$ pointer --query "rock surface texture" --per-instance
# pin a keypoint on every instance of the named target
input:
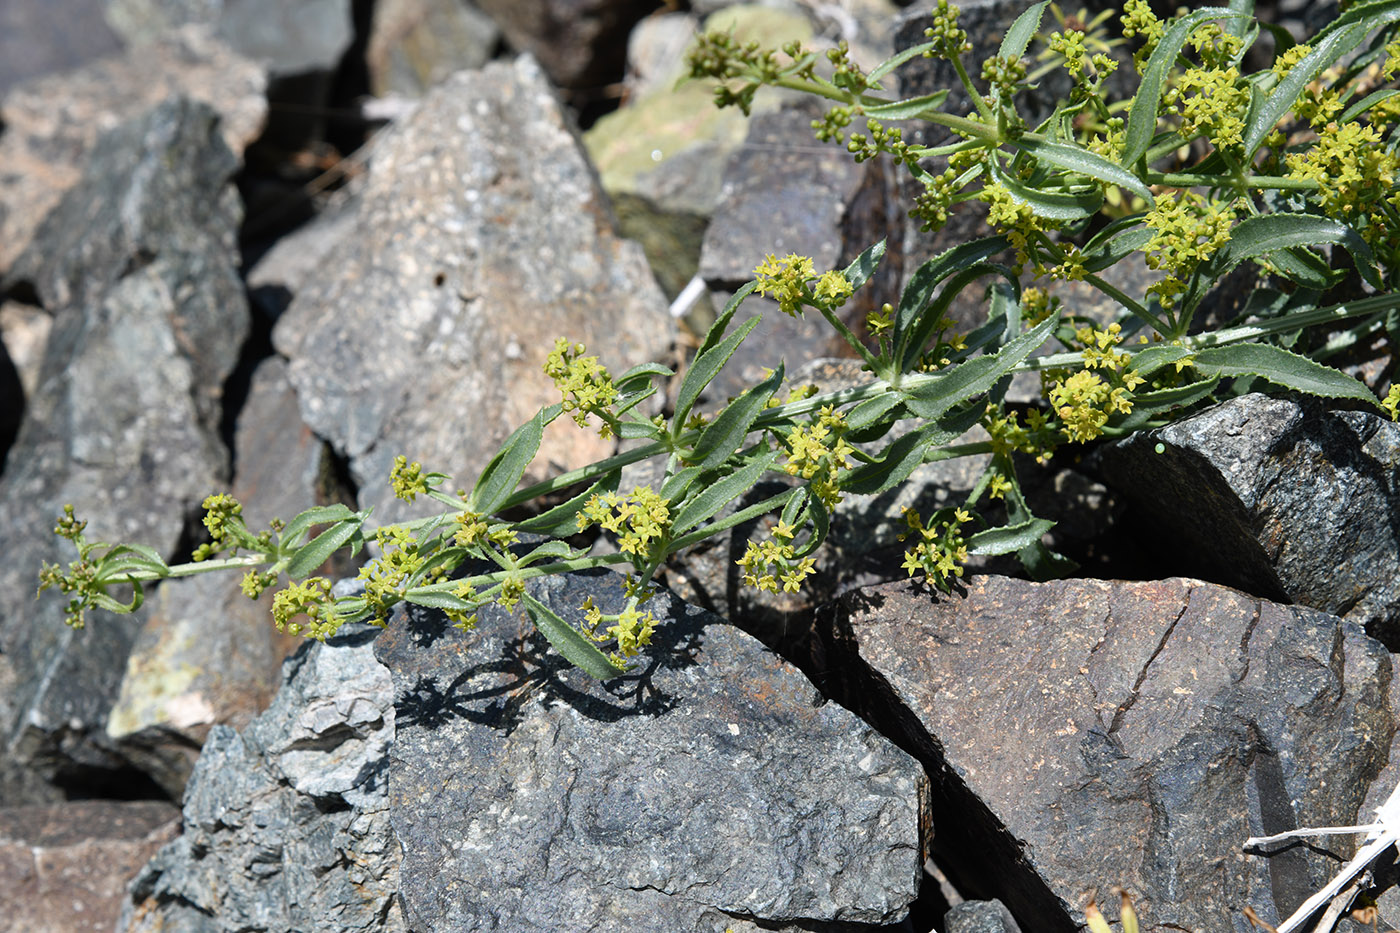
(286, 824)
(1283, 500)
(711, 789)
(1084, 734)
(138, 265)
(481, 236)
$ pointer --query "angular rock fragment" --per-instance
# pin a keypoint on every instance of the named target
(416, 44)
(711, 788)
(138, 265)
(286, 824)
(481, 238)
(1284, 500)
(1084, 734)
(52, 124)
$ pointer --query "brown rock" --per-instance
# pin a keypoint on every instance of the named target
(64, 868)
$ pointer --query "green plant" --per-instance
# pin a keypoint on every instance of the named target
(1279, 164)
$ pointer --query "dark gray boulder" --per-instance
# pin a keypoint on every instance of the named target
(1084, 734)
(138, 266)
(286, 824)
(980, 917)
(1285, 500)
(711, 788)
(480, 237)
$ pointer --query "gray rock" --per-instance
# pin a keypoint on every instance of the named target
(64, 867)
(52, 124)
(416, 44)
(577, 42)
(287, 38)
(711, 788)
(1083, 734)
(786, 193)
(482, 238)
(980, 917)
(286, 824)
(1284, 500)
(207, 654)
(138, 264)
(39, 37)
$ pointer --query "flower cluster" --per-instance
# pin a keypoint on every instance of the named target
(311, 598)
(1353, 170)
(223, 519)
(641, 520)
(81, 578)
(1015, 219)
(1391, 402)
(774, 564)
(1008, 436)
(1211, 102)
(940, 550)
(385, 579)
(949, 39)
(584, 382)
(631, 629)
(406, 479)
(1085, 400)
(1187, 231)
(932, 203)
(1139, 20)
(788, 281)
(818, 452)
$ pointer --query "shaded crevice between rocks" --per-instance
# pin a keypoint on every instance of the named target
(982, 858)
(1290, 882)
(1147, 665)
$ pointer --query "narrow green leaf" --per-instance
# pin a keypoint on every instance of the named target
(1053, 205)
(437, 599)
(1147, 404)
(1281, 367)
(313, 554)
(503, 473)
(562, 520)
(549, 550)
(925, 279)
(890, 64)
(1366, 103)
(907, 109)
(1013, 44)
(1072, 158)
(316, 515)
(871, 410)
(577, 649)
(900, 458)
(1327, 48)
(714, 497)
(103, 600)
(1270, 233)
(1009, 539)
(864, 266)
(1148, 361)
(922, 331)
(932, 398)
(114, 568)
(676, 485)
(706, 366)
(148, 557)
(726, 433)
(721, 324)
(630, 430)
(820, 523)
(1119, 248)
(640, 371)
(1142, 120)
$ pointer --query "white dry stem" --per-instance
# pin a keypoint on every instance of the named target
(1381, 835)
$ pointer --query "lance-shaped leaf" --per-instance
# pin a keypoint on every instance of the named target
(1010, 538)
(316, 515)
(1148, 404)
(923, 328)
(130, 558)
(907, 109)
(1013, 44)
(1327, 47)
(1142, 120)
(438, 599)
(1271, 233)
(721, 324)
(1054, 205)
(726, 433)
(577, 649)
(864, 265)
(1281, 367)
(503, 473)
(715, 496)
(1148, 361)
(925, 279)
(315, 552)
(1081, 161)
(931, 398)
(562, 520)
(706, 366)
(899, 458)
